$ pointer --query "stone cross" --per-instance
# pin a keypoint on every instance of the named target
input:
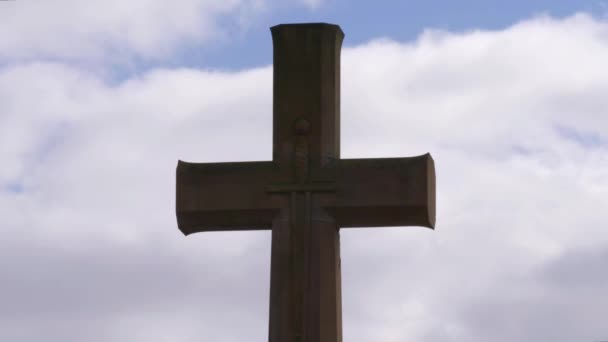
(306, 193)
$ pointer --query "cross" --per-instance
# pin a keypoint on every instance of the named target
(306, 193)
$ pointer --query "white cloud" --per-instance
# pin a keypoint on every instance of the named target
(113, 30)
(515, 120)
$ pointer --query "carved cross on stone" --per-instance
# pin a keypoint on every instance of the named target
(306, 193)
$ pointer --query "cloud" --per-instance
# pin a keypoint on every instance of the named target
(514, 119)
(114, 31)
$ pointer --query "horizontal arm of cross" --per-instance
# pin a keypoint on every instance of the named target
(224, 196)
(383, 192)
(366, 193)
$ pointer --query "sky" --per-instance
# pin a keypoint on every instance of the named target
(98, 101)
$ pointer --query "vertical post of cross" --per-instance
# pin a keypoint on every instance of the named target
(305, 303)
(307, 86)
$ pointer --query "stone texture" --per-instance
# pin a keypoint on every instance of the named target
(306, 193)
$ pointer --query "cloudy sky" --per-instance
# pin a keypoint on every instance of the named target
(98, 101)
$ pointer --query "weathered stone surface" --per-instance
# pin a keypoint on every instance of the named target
(306, 193)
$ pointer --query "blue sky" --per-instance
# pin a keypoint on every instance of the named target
(98, 101)
(366, 20)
